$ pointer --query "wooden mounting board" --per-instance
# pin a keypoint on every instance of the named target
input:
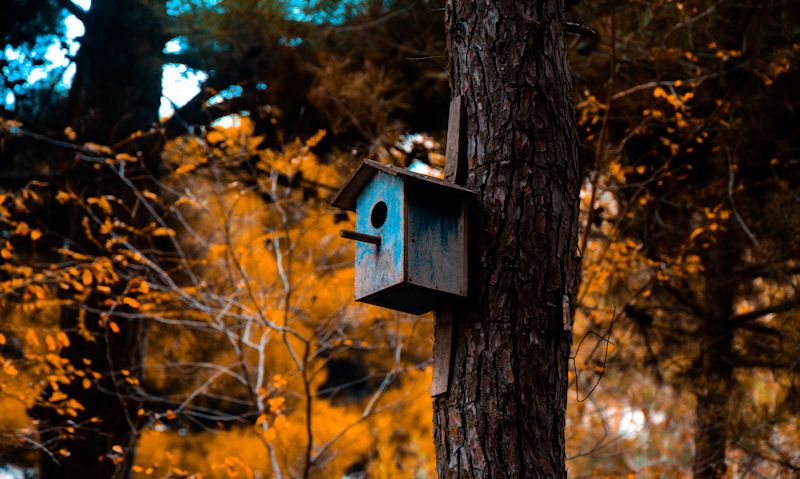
(455, 172)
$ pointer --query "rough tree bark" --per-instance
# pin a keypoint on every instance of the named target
(116, 91)
(504, 415)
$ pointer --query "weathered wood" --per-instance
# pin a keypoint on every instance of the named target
(435, 233)
(455, 167)
(356, 236)
(419, 264)
(380, 268)
(455, 171)
(442, 350)
(347, 197)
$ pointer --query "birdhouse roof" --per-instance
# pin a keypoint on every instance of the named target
(347, 196)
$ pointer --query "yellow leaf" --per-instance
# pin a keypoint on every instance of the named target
(658, 92)
(70, 133)
(279, 381)
(50, 342)
(170, 414)
(58, 396)
(86, 383)
(215, 136)
(279, 422)
(2, 339)
(36, 234)
(269, 435)
(144, 287)
(86, 277)
(275, 404)
(106, 227)
(63, 197)
(117, 448)
(10, 369)
(113, 326)
(31, 339)
(126, 157)
(163, 232)
(695, 233)
(150, 195)
(185, 169)
(131, 302)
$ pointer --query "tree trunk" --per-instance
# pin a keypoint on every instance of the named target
(116, 91)
(504, 415)
(715, 380)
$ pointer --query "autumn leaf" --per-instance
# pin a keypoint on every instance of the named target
(86, 277)
(50, 342)
(150, 195)
(261, 419)
(275, 404)
(9, 368)
(133, 303)
(126, 157)
(163, 232)
(185, 169)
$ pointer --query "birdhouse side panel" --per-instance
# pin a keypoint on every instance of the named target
(436, 240)
(379, 212)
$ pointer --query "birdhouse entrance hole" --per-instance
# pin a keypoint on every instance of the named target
(378, 215)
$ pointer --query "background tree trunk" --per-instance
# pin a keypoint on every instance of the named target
(116, 91)
(714, 384)
(504, 415)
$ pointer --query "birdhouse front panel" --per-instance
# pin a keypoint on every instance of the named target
(379, 212)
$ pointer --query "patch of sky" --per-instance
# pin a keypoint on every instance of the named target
(84, 4)
(292, 42)
(261, 85)
(47, 63)
(12, 472)
(232, 91)
(50, 60)
(322, 11)
(178, 7)
(176, 45)
(179, 84)
(230, 121)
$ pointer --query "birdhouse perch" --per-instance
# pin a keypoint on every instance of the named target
(411, 241)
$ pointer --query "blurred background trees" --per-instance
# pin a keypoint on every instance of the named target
(175, 299)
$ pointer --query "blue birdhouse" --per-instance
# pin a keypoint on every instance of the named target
(411, 237)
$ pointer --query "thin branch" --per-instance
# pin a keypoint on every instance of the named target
(775, 308)
(74, 9)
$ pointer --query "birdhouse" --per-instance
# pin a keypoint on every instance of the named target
(411, 241)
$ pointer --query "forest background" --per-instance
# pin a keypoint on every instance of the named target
(176, 301)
